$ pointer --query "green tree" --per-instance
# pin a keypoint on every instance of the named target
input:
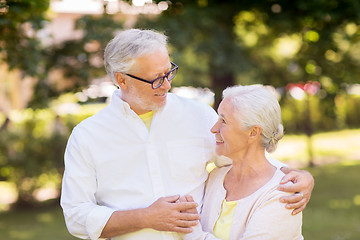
(19, 22)
(80, 60)
(237, 40)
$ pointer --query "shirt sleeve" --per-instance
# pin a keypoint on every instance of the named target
(83, 216)
(272, 221)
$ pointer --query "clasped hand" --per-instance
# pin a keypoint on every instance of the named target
(172, 214)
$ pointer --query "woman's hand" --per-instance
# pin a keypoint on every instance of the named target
(303, 184)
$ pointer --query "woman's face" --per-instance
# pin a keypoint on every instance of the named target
(231, 139)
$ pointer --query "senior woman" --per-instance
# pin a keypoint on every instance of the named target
(241, 200)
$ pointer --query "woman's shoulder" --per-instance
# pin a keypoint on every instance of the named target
(270, 190)
(216, 177)
(219, 172)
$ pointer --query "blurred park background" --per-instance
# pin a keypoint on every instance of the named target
(52, 77)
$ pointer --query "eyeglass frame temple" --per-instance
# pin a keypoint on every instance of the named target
(152, 81)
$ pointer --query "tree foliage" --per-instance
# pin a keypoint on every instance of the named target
(80, 60)
(19, 22)
(247, 40)
(75, 61)
(216, 44)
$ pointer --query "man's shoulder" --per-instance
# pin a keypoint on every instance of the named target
(95, 119)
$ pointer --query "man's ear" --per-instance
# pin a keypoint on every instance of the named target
(120, 80)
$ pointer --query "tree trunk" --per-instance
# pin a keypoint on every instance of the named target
(219, 83)
(309, 130)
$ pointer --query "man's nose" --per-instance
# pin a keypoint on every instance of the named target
(166, 84)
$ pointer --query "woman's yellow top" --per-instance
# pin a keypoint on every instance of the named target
(223, 224)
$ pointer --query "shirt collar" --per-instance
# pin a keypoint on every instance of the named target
(123, 107)
(120, 106)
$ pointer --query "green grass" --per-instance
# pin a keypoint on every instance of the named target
(329, 147)
(334, 210)
(39, 224)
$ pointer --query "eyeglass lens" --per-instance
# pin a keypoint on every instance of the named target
(169, 76)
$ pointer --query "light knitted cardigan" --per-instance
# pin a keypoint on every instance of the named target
(259, 216)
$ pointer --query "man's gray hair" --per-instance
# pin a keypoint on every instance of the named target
(122, 51)
(254, 105)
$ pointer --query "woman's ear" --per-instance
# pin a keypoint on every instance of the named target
(255, 132)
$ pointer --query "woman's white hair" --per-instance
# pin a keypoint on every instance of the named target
(122, 51)
(254, 105)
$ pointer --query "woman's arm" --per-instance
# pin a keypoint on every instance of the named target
(269, 220)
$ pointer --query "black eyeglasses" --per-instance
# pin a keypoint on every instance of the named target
(157, 82)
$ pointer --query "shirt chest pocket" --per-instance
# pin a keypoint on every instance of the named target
(187, 158)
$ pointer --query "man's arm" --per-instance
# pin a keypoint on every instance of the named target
(165, 214)
(85, 218)
(302, 188)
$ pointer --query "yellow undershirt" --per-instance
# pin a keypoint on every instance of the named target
(147, 118)
(223, 224)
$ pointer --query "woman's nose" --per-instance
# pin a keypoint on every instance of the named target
(215, 128)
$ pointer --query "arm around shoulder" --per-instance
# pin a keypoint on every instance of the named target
(272, 221)
(303, 184)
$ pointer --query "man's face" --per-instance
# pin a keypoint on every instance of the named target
(140, 95)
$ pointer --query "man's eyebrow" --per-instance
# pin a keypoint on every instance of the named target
(162, 74)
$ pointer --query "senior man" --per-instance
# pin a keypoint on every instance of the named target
(127, 166)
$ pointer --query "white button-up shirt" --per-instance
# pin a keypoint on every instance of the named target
(112, 162)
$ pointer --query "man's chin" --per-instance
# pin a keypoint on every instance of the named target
(159, 106)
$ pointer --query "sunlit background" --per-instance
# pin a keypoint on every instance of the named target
(52, 77)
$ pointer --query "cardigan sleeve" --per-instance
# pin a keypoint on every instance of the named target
(272, 221)
(199, 234)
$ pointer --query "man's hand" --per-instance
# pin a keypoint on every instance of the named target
(302, 188)
(188, 198)
(170, 214)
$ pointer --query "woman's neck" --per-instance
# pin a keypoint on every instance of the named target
(249, 172)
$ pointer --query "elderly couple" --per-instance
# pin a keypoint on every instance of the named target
(137, 168)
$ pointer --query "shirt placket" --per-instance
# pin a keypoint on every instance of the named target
(154, 169)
